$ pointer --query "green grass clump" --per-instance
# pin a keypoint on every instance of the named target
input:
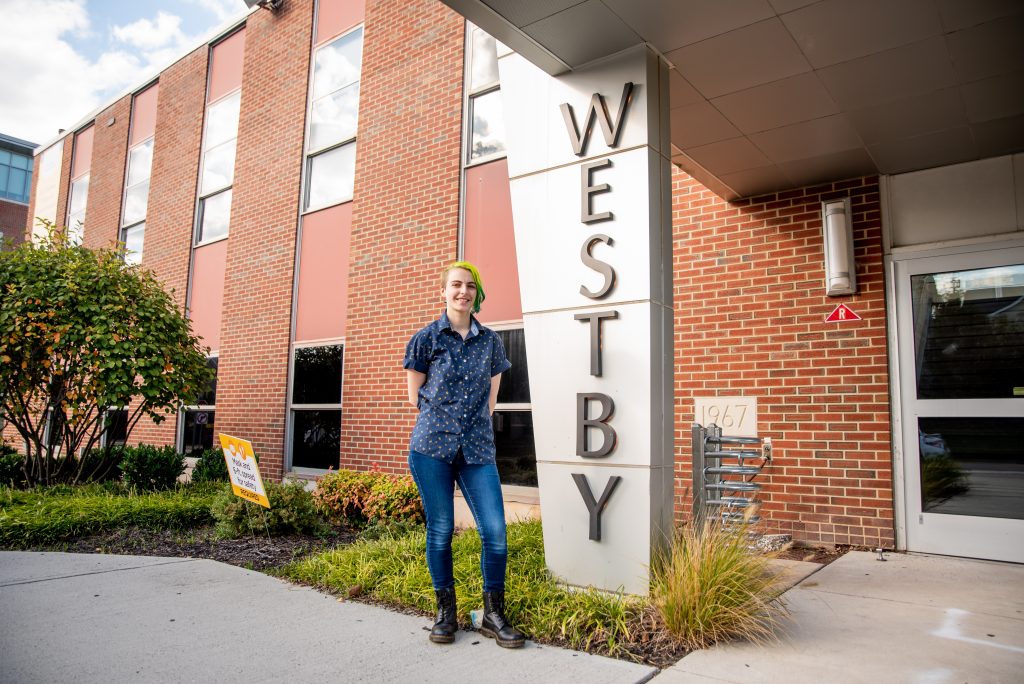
(393, 569)
(709, 587)
(48, 515)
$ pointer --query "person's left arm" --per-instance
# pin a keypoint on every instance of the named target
(499, 364)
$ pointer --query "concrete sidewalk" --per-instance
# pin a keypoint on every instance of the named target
(98, 618)
(914, 619)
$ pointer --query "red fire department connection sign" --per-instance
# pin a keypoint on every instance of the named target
(842, 314)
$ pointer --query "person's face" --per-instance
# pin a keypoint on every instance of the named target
(459, 290)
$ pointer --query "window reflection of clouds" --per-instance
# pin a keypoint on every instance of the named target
(133, 238)
(331, 176)
(979, 279)
(216, 215)
(218, 167)
(488, 125)
(222, 120)
(135, 202)
(484, 68)
(338, 64)
(140, 162)
(334, 117)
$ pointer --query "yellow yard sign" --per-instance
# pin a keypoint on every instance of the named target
(245, 474)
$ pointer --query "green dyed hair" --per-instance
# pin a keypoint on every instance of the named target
(473, 271)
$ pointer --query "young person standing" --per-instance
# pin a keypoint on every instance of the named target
(453, 368)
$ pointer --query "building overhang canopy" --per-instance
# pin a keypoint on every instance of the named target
(768, 95)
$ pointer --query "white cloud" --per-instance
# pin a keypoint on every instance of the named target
(47, 84)
(147, 34)
(222, 9)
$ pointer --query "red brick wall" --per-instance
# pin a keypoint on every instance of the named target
(106, 178)
(13, 217)
(750, 304)
(256, 329)
(167, 248)
(65, 181)
(405, 217)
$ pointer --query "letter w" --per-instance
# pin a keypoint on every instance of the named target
(599, 110)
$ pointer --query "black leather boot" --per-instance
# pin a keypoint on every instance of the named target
(447, 622)
(495, 625)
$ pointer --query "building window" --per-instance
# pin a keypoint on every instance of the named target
(15, 176)
(513, 416)
(197, 420)
(333, 120)
(484, 111)
(136, 200)
(218, 168)
(76, 209)
(316, 406)
(116, 423)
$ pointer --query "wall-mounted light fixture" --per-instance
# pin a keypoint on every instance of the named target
(271, 5)
(840, 264)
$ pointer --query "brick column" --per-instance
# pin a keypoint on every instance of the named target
(405, 217)
(106, 179)
(256, 329)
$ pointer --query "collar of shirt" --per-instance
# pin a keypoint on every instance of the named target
(444, 324)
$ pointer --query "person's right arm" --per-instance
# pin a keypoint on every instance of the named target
(414, 379)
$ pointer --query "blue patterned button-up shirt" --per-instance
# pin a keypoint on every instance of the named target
(453, 400)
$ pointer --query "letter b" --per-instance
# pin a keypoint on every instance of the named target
(600, 423)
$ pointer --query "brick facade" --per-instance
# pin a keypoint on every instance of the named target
(749, 293)
(167, 248)
(405, 218)
(750, 306)
(106, 178)
(13, 217)
(256, 329)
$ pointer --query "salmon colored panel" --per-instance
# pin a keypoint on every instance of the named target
(81, 160)
(144, 115)
(207, 294)
(323, 274)
(335, 16)
(489, 241)
(226, 66)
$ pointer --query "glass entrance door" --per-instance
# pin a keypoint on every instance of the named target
(960, 327)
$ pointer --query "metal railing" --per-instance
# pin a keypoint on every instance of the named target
(724, 469)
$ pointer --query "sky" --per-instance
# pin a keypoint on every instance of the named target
(62, 59)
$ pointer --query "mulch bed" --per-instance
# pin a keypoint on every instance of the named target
(255, 553)
(819, 554)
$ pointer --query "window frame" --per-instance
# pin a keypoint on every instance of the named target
(28, 170)
(470, 94)
(292, 407)
(122, 232)
(201, 198)
(179, 438)
(308, 153)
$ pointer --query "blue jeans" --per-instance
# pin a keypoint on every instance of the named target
(479, 484)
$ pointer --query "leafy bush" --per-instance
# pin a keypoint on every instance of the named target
(341, 494)
(151, 467)
(372, 496)
(211, 467)
(11, 473)
(49, 515)
(292, 511)
(394, 498)
(102, 465)
(709, 586)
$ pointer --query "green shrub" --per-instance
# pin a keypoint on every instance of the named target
(709, 586)
(103, 465)
(211, 467)
(941, 478)
(292, 511)
(49, 515)
(11, 473)
(151, 467)
(394, 498)
(341, 494)
(358, 496)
